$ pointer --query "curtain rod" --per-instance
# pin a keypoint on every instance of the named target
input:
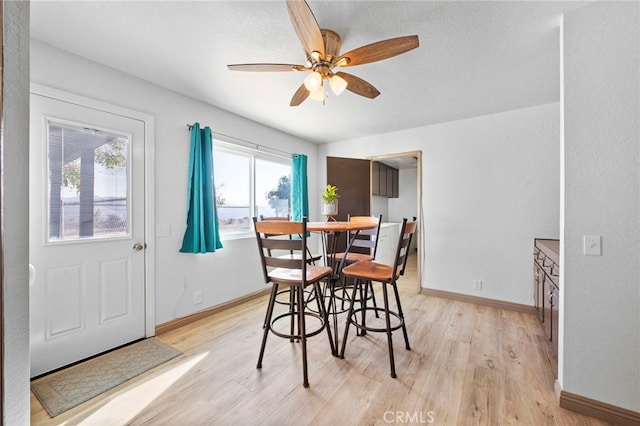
(247, 143)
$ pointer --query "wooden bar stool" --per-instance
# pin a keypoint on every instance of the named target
(364, 246)
(365, 271)
(295, 273)
(311, 259)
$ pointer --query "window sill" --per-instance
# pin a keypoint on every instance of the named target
(237, 236)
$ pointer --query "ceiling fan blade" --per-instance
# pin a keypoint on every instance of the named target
(306, 26)
(378, 51)
(266, 67)
(301, 94)
(359, 86)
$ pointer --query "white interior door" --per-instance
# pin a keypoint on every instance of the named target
(87, 239)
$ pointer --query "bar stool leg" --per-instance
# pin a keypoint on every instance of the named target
(333, 303)
(348, 322)
(325, 315)
(363, 304)
(292, 308)
(401, 314)
(389, 338)
(267, 322)
(373, 297)
(303, 334)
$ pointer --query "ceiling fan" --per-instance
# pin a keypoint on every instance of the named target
(322, 47)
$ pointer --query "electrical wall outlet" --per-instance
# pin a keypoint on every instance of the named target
(197, 298)
(477, 284)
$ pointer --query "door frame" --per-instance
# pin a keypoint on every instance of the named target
(419, 241)
(149, 183)
(1, 222)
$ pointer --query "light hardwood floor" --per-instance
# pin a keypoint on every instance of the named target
(469, 365)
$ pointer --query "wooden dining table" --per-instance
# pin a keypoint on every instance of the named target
(339, 226)
(335, 229)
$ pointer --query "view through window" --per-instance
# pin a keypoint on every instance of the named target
(88, 183)
(249, 183)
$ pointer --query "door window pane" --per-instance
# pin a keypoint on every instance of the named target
(88, 183)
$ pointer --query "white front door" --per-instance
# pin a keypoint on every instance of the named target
(86, 243)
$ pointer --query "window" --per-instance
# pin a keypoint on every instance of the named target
(249, 183)
(88, 181)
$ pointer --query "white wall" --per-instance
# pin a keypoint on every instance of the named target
(380, 206)
(15, 212)
(490, 186)
(601, 294)
(221, 276)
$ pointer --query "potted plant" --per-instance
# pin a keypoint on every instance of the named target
(330, 201)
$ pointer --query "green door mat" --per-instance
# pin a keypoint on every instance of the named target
(63, 390)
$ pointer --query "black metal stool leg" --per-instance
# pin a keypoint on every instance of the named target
(303, 335)
(325, 314)
(363, 305)
(401, 315)
(292, 308)
(267, 322)
(373, 297)
(348, 322)
(389, 338)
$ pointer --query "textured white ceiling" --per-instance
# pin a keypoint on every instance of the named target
(475, 58)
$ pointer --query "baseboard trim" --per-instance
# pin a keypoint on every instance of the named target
(483, 301)
(180, 322)
(600, 410)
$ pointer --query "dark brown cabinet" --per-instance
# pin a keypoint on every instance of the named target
(375, 177)
(546, 273)
(384, 180)
(392, 182)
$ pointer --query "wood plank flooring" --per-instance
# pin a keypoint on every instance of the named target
(468, 365)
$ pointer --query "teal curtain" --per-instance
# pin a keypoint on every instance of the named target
(201, 235)
(299, 191)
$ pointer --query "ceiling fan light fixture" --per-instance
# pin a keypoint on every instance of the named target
(338, 84)
(313, 81)
(318, 94)
(322, 50)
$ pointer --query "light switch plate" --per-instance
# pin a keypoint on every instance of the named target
(592, 245)
(163, 230)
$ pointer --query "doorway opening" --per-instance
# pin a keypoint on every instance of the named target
(409, 165)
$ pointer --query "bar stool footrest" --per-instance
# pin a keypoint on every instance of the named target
(297, 336)
(354, 319)
(280, 301)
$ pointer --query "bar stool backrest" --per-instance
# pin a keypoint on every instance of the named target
(366, 238)
(276, 237)
(272, 218)
(404, 243)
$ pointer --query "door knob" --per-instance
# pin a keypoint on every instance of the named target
(138, 246)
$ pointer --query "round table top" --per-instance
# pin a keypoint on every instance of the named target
(338, 226)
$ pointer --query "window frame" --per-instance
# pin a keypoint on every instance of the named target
(253, 154)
